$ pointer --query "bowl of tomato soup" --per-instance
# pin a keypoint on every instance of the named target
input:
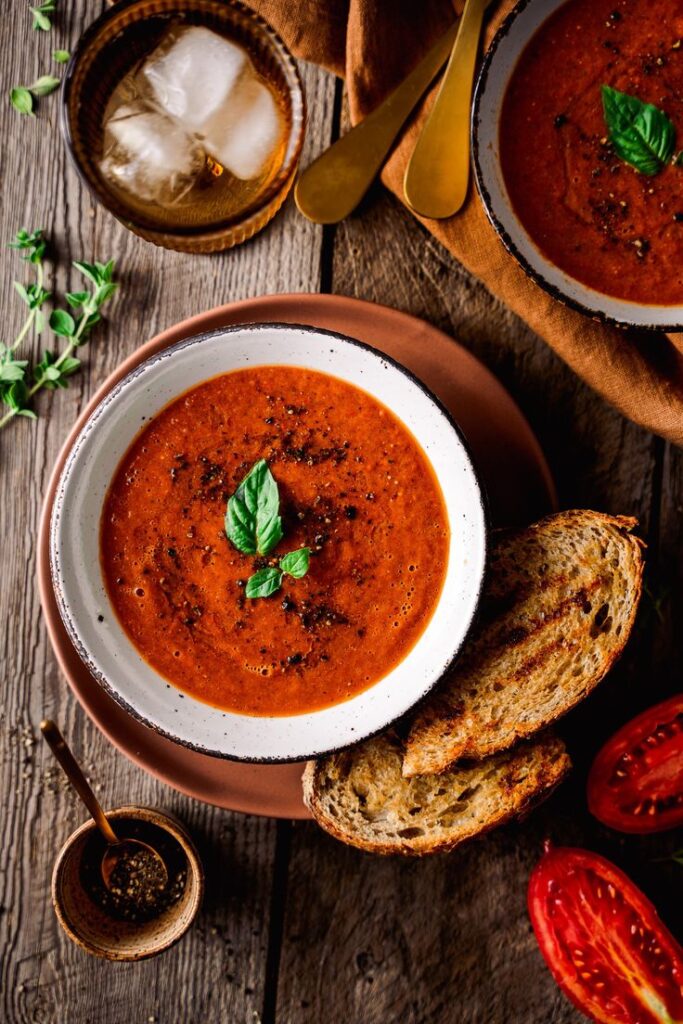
(268, 542)
(577, 138)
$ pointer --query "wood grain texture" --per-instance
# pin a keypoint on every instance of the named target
(449, 939)
(297, 928)
(219, 972)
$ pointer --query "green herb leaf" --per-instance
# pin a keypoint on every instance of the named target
(264, 583)
(252, 521)
(61, 56)
(69, 365)
(62, 323)
(12, 369)
(22, 100)
(44, 85)
(104, 292)
(269, 535)
(40, 15)
(16, 395)
(21, 291)
(642, 134)
(77, 299)
(88, 270)
(677, 857)
(40, 20)
(296, 563)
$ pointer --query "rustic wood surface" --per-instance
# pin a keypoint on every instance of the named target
(295, 927)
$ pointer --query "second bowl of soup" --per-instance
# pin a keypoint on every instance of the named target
(577, 135)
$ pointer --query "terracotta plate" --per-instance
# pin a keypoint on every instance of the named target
(508, 457)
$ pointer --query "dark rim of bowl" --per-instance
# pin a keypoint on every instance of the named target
(290, 160)
(56, 513)
(534, 273)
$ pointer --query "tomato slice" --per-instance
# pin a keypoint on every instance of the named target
(636, 782)
(602, 939)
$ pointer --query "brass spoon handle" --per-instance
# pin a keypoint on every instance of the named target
(334, 184)
(58, 746)
(437, 176)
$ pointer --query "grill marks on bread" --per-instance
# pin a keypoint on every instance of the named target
(558, 607)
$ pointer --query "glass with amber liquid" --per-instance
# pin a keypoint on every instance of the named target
(185, 117)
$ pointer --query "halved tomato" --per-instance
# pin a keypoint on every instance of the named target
(603, 941)
(636, 782)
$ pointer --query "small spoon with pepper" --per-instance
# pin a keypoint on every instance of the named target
(122, 856)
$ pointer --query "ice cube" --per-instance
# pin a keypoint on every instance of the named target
(193, 73)
(150, 155)
(244, 133)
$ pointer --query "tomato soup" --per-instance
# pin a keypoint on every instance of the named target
(595, 216)
(354, 487)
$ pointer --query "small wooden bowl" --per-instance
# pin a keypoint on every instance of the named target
(96, 932)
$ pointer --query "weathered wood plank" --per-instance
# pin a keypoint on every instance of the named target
(218, 973)
(449, 939)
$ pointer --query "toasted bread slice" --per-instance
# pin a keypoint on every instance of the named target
(361, 797)
(558, 606)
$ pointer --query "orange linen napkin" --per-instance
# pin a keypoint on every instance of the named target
(373, 44)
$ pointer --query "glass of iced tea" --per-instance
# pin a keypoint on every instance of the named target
(186, 119)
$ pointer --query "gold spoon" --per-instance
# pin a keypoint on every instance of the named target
(116, 848)
(437, 175)
(334, 184)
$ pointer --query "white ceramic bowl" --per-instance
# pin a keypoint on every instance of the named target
(499, 63)
(81, 592)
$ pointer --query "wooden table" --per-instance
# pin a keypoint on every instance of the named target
(297, 928)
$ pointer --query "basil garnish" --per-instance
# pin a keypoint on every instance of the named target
(642, 134)
(266, 581)
(254, 525)
(296, 563)
(252, 521)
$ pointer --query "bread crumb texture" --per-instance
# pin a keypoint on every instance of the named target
(361, 796)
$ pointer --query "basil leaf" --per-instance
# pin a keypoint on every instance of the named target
(269, 535)
(642, 134)
(61, 56)
(252, 521)
(296, 563)
(22, 101)
(264, 583)
(240, 526)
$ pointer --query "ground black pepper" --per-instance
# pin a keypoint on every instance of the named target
(136, 893)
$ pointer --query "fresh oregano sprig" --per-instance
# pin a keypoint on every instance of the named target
(13, 388)
(22, 96)
(41, 15)
(254, 525)
(53, 369)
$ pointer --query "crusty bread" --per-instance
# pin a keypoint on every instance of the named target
(361, 797)
(558, 606)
